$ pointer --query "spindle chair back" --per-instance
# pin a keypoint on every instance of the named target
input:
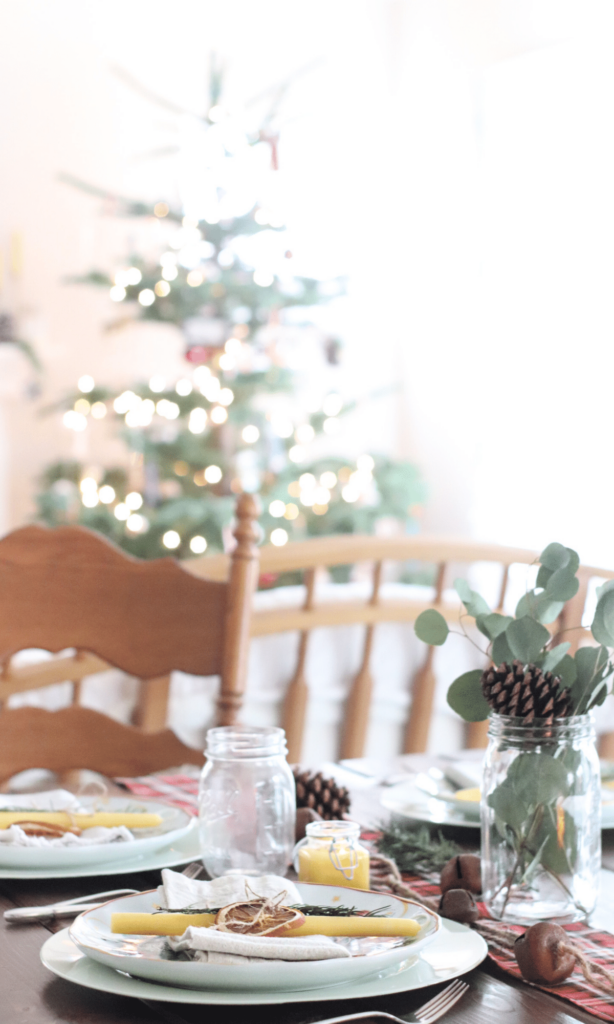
(318, 554)
(70, 589)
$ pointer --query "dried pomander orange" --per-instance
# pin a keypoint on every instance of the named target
(258, 917)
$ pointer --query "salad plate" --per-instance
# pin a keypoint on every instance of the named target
(180, 849)
(454, 950)
(408, 800)
(175, 823)
(151, 957)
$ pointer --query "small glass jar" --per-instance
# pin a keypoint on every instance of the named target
(541, 820)
(330, 854)
(247, 802)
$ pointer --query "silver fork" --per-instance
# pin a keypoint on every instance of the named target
(431, 1011)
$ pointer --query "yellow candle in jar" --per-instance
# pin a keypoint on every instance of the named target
(332, 855)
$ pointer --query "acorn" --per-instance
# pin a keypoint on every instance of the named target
(539, 955)
(462, 872)
(459, 905)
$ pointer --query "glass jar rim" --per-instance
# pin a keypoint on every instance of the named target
(245, 741)
(337, 829)
(540, 728)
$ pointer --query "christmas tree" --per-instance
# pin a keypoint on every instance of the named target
(238, 418)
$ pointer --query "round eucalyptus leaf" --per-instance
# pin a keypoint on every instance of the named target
(555, 556)
(526, 638)
(562, 585)
(602, 626)
(501, 651)
(432, 628)
(554, 656)
(466, 698)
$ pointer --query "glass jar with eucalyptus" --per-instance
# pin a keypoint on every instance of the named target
(541, 819)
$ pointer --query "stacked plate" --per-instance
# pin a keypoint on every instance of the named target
(174, 841)
(435, 796)
(90, 954)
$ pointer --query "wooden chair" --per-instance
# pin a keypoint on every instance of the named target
(71, 588)
(322, 553)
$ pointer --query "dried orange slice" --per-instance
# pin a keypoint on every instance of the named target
(45, 830)
(258, 917)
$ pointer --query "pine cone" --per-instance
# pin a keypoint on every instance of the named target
(525, 692)
(323, 795)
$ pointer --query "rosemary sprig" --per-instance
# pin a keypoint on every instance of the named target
(309, 909)
(416, 850)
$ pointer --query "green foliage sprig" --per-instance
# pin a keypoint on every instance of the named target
(524, 636)
(415, 849)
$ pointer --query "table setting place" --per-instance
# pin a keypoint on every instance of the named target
(403, 888)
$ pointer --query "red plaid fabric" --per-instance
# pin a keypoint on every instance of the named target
(182, 790)
(179, 790)
(598, 947)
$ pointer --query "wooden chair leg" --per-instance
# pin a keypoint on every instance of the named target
(606, 746)
(419, 722)
(295, 706)
(476, 736)
(354, 734)
(152, 707)
(295, 703)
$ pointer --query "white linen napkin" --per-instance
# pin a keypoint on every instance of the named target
(56, 800)
(208, 945)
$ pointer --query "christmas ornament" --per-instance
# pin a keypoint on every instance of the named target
(542, 955)
(459, 905)
(462, 872)
(525, 692)
(322, 795)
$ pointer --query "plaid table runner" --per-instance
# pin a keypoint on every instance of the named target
(182, 790)
(598, 947)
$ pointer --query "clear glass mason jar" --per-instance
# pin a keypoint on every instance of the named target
(247, 802)
(541, 819)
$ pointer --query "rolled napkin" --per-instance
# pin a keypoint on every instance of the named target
(58, 803)
(208, 945)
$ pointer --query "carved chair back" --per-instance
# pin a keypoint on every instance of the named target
(449, 558)
(70, 588)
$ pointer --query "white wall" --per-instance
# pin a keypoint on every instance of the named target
(454, 157)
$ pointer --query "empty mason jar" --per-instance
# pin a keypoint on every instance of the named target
(541, 819)
(247, 802)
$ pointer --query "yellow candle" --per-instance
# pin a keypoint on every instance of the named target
(343, 865)
(331, 855)
(106, 819)
(176, 924)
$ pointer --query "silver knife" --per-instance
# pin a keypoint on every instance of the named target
(65, 908)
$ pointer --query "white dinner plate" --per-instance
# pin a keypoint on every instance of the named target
(150, 957)
(185, 848)
(408, 801)
(454, 951)
(175, 823)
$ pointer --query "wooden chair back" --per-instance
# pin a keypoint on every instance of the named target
(312, 556)
(71, 588)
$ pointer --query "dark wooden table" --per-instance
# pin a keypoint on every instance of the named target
(32, 995)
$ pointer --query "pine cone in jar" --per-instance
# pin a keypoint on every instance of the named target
(524, 691)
